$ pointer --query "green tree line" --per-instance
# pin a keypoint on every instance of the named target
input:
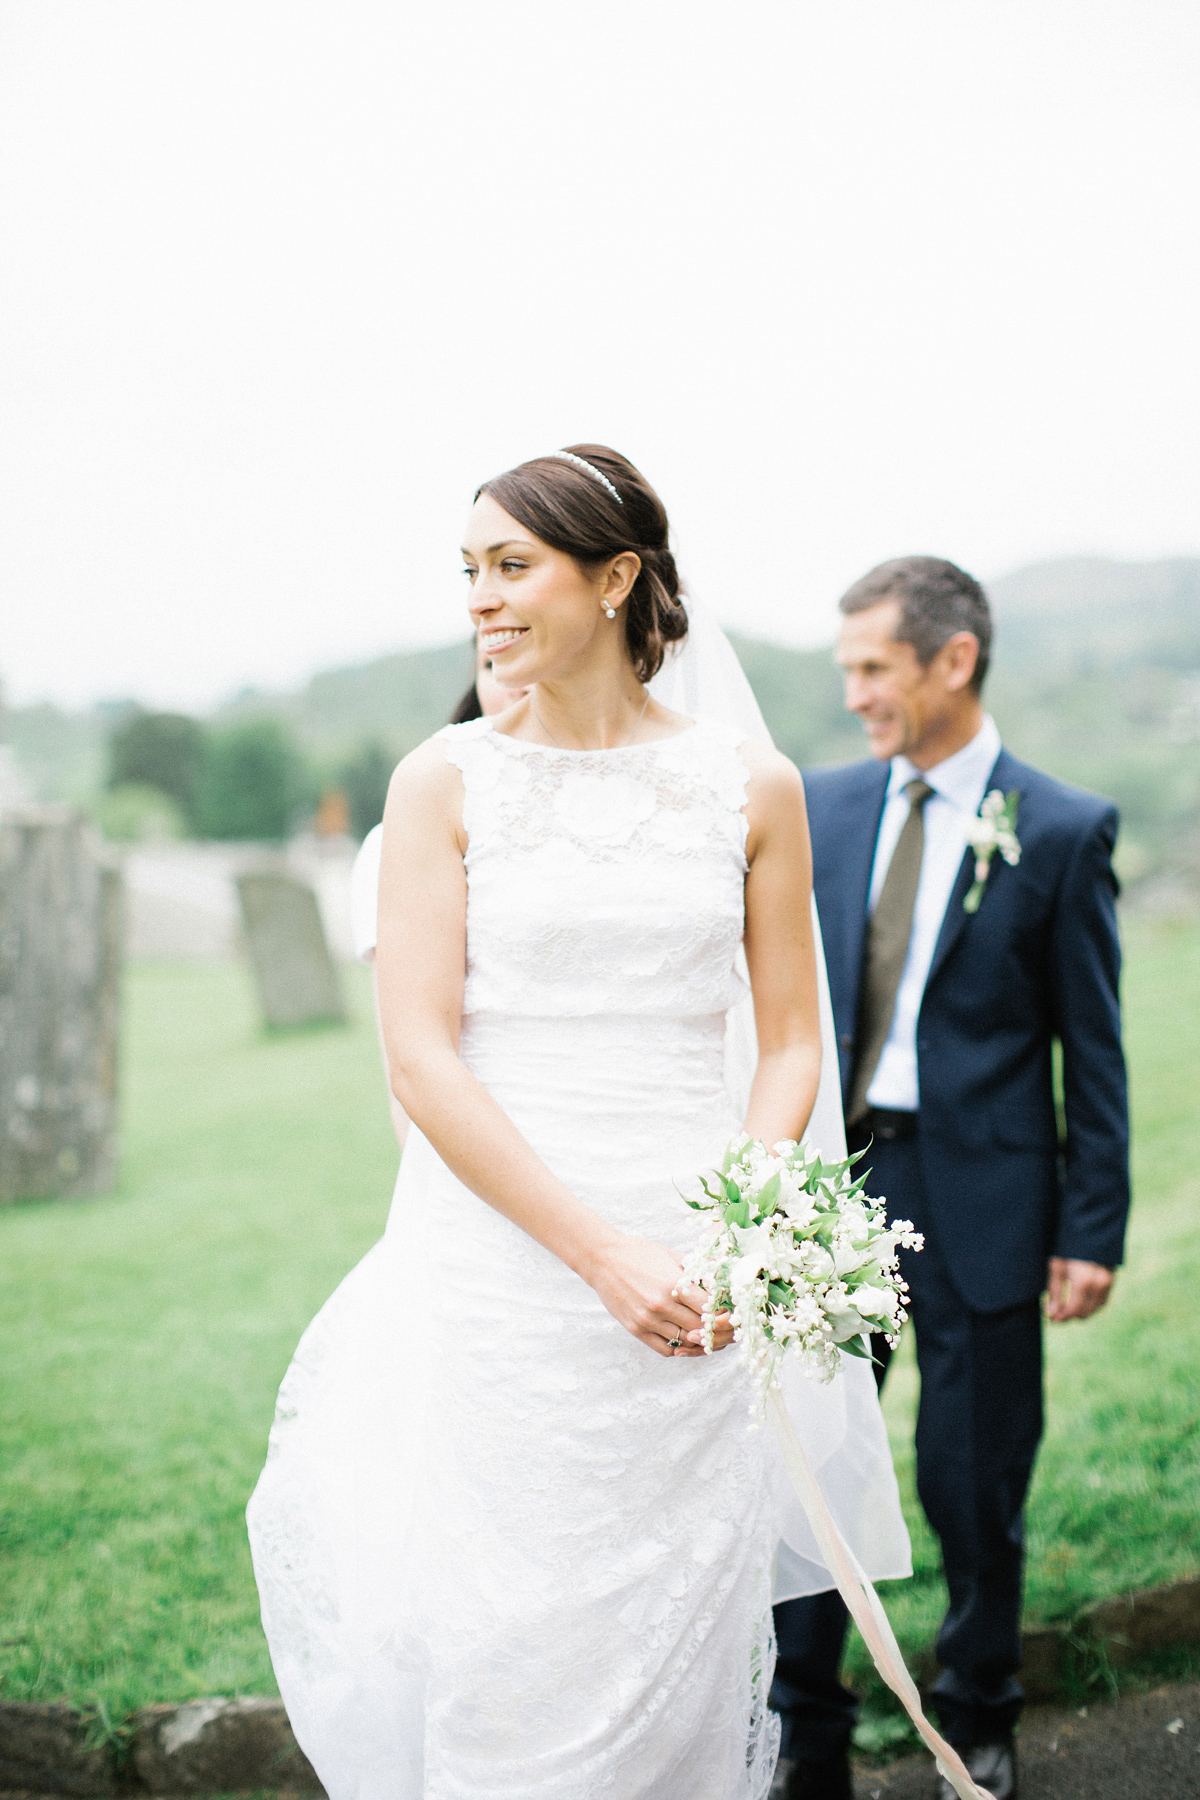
(177, 775)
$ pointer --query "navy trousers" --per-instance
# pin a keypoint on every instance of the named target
(978, 1427)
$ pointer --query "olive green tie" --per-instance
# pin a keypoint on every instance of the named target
(888, 932)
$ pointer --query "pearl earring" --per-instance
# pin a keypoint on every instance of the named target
(610, 612)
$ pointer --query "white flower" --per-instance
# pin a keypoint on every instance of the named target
(993, 828)
(817, 1264)
(801, 1211)
(806, 1313)
(847, 1256)
(755, 1245)
(742, 1278)
(873, 1302)
(847, 1322)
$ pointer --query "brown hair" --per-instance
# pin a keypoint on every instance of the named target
(571, 511)
(936, 598)
(468, 707)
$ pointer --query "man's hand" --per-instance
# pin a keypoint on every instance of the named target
(1075, 1290)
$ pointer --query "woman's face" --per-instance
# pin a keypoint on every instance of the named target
(537, 613)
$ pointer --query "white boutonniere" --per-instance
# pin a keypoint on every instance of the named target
(993, 828)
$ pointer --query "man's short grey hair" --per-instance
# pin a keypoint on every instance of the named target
(936, 598)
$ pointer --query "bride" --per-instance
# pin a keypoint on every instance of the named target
(516, 1536)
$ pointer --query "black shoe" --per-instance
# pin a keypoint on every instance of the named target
(993, 1767)
(801, 1779)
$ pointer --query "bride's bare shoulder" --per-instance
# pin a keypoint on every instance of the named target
(427, 783)
(776, 815)
(774, 778)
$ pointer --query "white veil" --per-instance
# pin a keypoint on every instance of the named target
(703, 678)
(839, 1424)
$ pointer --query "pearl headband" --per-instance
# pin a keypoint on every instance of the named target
(592, 470)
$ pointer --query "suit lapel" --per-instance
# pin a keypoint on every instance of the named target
(857, 830)
(955, 920)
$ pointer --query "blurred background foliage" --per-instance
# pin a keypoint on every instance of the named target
(254, 782)
(1095, 677)
(159, 750)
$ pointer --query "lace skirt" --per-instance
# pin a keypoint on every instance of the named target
(504, 1551)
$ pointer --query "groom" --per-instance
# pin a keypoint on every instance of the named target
(947, 1017)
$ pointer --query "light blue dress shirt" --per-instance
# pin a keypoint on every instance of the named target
(958, 787)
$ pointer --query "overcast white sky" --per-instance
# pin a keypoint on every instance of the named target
(282, 281)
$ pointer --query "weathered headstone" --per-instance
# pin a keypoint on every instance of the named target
(60, 956)
(297, 982)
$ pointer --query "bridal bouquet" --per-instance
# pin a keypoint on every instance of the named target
(799, 1256)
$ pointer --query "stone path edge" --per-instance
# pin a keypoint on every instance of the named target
(216, 1747)
(200, 1747)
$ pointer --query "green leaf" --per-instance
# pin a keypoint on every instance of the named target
(971, 903)
(857, 1346)
(781, 1293)
(768, 1199)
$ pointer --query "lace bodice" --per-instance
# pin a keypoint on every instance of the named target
(601, 874)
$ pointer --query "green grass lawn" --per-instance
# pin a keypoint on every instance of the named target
(142, 1337)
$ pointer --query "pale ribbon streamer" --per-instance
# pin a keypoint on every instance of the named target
(703, 678)
(862, 1602)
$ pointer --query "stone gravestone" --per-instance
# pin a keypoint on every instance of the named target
(297, 982)
(60, 956)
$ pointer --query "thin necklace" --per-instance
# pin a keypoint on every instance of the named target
(637, 726)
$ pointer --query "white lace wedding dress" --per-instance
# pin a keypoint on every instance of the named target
(505, 1552)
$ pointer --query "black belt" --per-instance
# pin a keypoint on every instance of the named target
(882, 1122)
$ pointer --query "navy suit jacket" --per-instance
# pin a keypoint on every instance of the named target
(1038, 962)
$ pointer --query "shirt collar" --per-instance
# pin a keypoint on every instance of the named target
(962, 778)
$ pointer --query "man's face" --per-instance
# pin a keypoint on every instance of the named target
(902, 705)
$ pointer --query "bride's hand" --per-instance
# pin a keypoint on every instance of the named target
(636, 1280)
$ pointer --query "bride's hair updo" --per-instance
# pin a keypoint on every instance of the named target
(572, 510)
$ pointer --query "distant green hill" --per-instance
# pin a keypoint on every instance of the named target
(399, 699)
(1082, 615)
(1095, 677)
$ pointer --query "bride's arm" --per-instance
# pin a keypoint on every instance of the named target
(421, 960)
(779, 949)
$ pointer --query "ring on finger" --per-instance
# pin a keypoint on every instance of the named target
(673, 1343)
